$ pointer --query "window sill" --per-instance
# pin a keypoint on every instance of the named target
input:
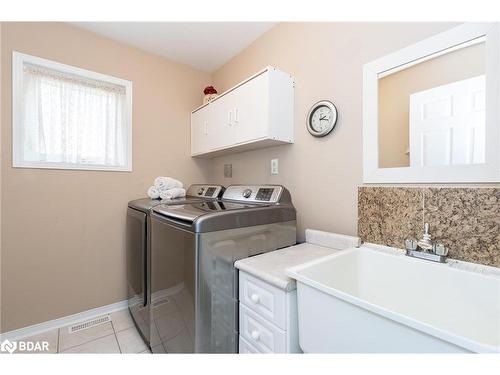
(63, 166)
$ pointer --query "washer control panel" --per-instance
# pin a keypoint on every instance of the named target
(264, 194)
(254, 193)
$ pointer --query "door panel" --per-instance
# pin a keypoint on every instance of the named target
(447, 124)
(200, 130)
(251, 109)
(221, 120)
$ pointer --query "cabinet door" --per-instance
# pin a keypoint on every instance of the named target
(251, 109)
(200, 130)
(222, 121)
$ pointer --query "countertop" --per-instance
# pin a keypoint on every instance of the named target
(270, 267)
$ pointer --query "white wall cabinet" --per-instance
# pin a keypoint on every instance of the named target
(258, 112)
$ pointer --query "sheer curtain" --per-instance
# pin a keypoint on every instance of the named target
(72, 120)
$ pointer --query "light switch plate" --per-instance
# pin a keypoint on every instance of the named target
(274, 166)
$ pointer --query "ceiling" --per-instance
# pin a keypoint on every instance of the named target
(203, 45)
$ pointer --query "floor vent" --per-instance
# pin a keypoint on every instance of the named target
(160, 302)
(89, 324)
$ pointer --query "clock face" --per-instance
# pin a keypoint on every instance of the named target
(322, 119)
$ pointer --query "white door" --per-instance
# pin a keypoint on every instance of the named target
(251, 109)
(447, 124)
(200, 130)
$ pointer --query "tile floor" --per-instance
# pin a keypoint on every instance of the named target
(118, 336)
(172, 331)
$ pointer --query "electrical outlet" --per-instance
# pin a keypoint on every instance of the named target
(228, 170)
(274, 166)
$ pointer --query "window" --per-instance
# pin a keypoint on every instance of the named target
(69, 118)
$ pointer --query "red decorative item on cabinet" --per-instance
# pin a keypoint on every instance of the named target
(210, 94)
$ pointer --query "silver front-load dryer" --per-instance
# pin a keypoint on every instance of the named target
(193, 250)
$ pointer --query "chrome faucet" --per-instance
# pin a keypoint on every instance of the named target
(425, 248)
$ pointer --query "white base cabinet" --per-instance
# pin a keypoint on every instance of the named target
(257, 113)
(268, 317)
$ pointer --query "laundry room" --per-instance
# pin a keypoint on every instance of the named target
(249, 187)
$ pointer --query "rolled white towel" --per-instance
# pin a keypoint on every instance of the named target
(165, 183)
(153, 192)
(173, 193)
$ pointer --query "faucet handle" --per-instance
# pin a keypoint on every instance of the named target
(411, 245)
(440, 249)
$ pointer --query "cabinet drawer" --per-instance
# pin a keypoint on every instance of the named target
(265, 299)
(246, 347)
(261, 334)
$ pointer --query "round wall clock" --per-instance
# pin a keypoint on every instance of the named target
(322, 118)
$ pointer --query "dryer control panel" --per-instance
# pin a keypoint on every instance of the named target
(254, 193)
(205, 191)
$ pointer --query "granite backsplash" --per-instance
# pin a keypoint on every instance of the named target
(466, 220)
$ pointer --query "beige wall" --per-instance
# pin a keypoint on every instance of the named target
(326, 60)
(395, 90)
(63, 231)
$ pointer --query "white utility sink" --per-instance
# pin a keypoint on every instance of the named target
(367, 300)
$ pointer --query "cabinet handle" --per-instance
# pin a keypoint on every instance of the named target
(230, 118)
(255, 298)
(236, 116)
(255, 335)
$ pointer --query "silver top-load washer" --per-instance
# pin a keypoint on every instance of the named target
(193, 249)
(138, 240)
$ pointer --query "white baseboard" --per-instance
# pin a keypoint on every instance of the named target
(61, 322)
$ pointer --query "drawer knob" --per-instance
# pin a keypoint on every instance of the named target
(255, 298)
(255, 335)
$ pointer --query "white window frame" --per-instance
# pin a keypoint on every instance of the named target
(476, 173)
(18, 61)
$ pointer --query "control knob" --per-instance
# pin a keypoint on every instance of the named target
(200, 191)
(247, 193)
